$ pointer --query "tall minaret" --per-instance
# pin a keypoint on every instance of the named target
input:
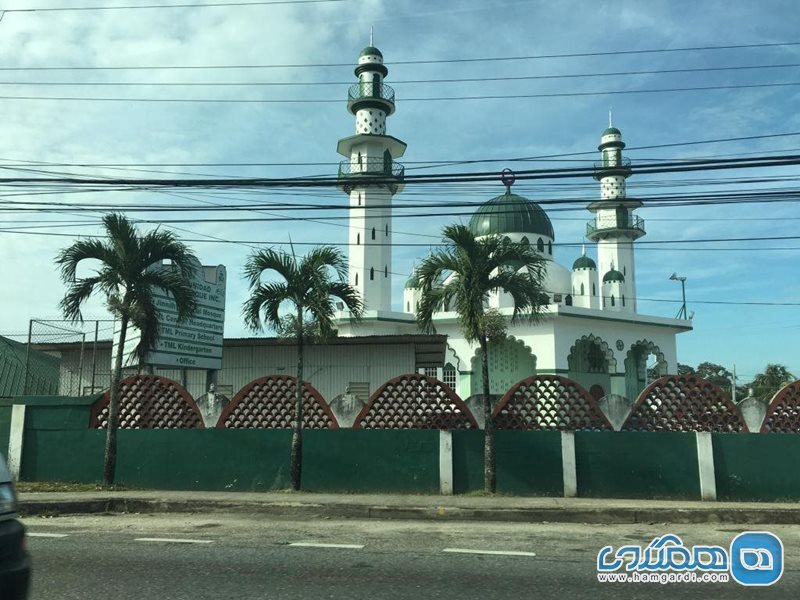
(370, 177)
(615, 226)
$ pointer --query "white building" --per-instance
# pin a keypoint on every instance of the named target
(592, 331)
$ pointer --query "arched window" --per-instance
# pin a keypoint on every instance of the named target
(568, 300)
(624, 271)
(358, 239)
(582, 290)
(524, 241)
(359, 198)
(359, 159)
(612, 300)
(623, 300)
(371, 273)
(386, 270)
(356, 278)
(449, 375)
(594, 290)
(550, 248)
(387, 230)
(373, 233)
(540, 245)
(408, 307)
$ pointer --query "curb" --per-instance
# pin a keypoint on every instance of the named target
(310, 510)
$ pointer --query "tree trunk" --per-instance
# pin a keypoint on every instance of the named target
(297, 436)
(489, 473)
(110, 458)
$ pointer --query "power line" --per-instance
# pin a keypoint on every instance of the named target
(421, 99)
(161, 6)
(395, 82)
(421, 62)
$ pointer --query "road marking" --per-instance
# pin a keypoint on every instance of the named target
(497, 552)
(174, 540)
(48, 535)
(319, 545)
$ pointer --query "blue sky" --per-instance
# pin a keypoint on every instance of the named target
(410, 30)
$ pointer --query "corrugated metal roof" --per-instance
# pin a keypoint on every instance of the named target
(43, 370)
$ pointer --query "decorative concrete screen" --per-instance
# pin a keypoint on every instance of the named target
(783, 414)
(149, 402)
(269, 403)
(415, 401)
(549, 403)
(684, 403)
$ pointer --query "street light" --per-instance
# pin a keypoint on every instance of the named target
(682, 311)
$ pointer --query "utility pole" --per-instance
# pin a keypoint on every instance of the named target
(733, 385)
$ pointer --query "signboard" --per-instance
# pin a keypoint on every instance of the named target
(195, 343)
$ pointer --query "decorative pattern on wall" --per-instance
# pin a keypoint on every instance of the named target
(509, 361)
(783, 414)
(550, 403)
(684, 403)
(149, 402)
(269, 403)
(415, 401)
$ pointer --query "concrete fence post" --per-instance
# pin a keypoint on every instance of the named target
(446, 462)
(568, 464)
(705, 465)
(16, 433)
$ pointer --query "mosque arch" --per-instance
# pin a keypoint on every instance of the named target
(591, 363)
(540, 245)
(636, 378)
(510, 361)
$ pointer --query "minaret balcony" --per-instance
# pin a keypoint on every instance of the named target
(611, 167)
(369, 94)
(611, 227)
(371, 171)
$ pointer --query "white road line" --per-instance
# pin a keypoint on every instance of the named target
(48, 535)
(498, 552)
(319, 545)
(174, 540)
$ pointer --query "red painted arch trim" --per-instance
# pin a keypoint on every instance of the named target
(307, 387)
(102, 402)
(687, 380)
(785, 392)
(587, 397)
(451, 395)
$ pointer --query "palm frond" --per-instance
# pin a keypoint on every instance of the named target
(267, 298)
(77, 294)
(69, 258)
(269, 260)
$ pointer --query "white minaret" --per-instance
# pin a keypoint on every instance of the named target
(584, 283)
(370, 177)
(615, 226)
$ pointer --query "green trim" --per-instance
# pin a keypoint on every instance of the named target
(566, 314)
(52, 400)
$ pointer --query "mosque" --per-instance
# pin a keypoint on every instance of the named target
(592, 331)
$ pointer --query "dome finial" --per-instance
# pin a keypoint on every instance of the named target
(508, 178)
(583, 249)
(372, 44)
(610, 124)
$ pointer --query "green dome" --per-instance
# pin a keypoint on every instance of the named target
(613, 275)
(413, 281)
(371, 51)
(510, 213)
(584, 262)
(612, 131)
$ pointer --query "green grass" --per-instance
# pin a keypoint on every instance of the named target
(60, 486)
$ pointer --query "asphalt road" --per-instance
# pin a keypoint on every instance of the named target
(242, 557)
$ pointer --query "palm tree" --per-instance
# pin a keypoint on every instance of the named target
(770, 381)
(308, 290)
(470, 269)
(127, 274)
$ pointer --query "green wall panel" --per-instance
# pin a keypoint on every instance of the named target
(632, 464)
(63, 455)
(467, 461)
(757, 467)
(368, 460)
(5, 428)
(529, 463)
(57, 417)
(204, 459)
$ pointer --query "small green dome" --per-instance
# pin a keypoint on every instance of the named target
(612, 131)
(510, 213)
(412, 283)
(370, 51)
(613, 275)
(584, 262)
